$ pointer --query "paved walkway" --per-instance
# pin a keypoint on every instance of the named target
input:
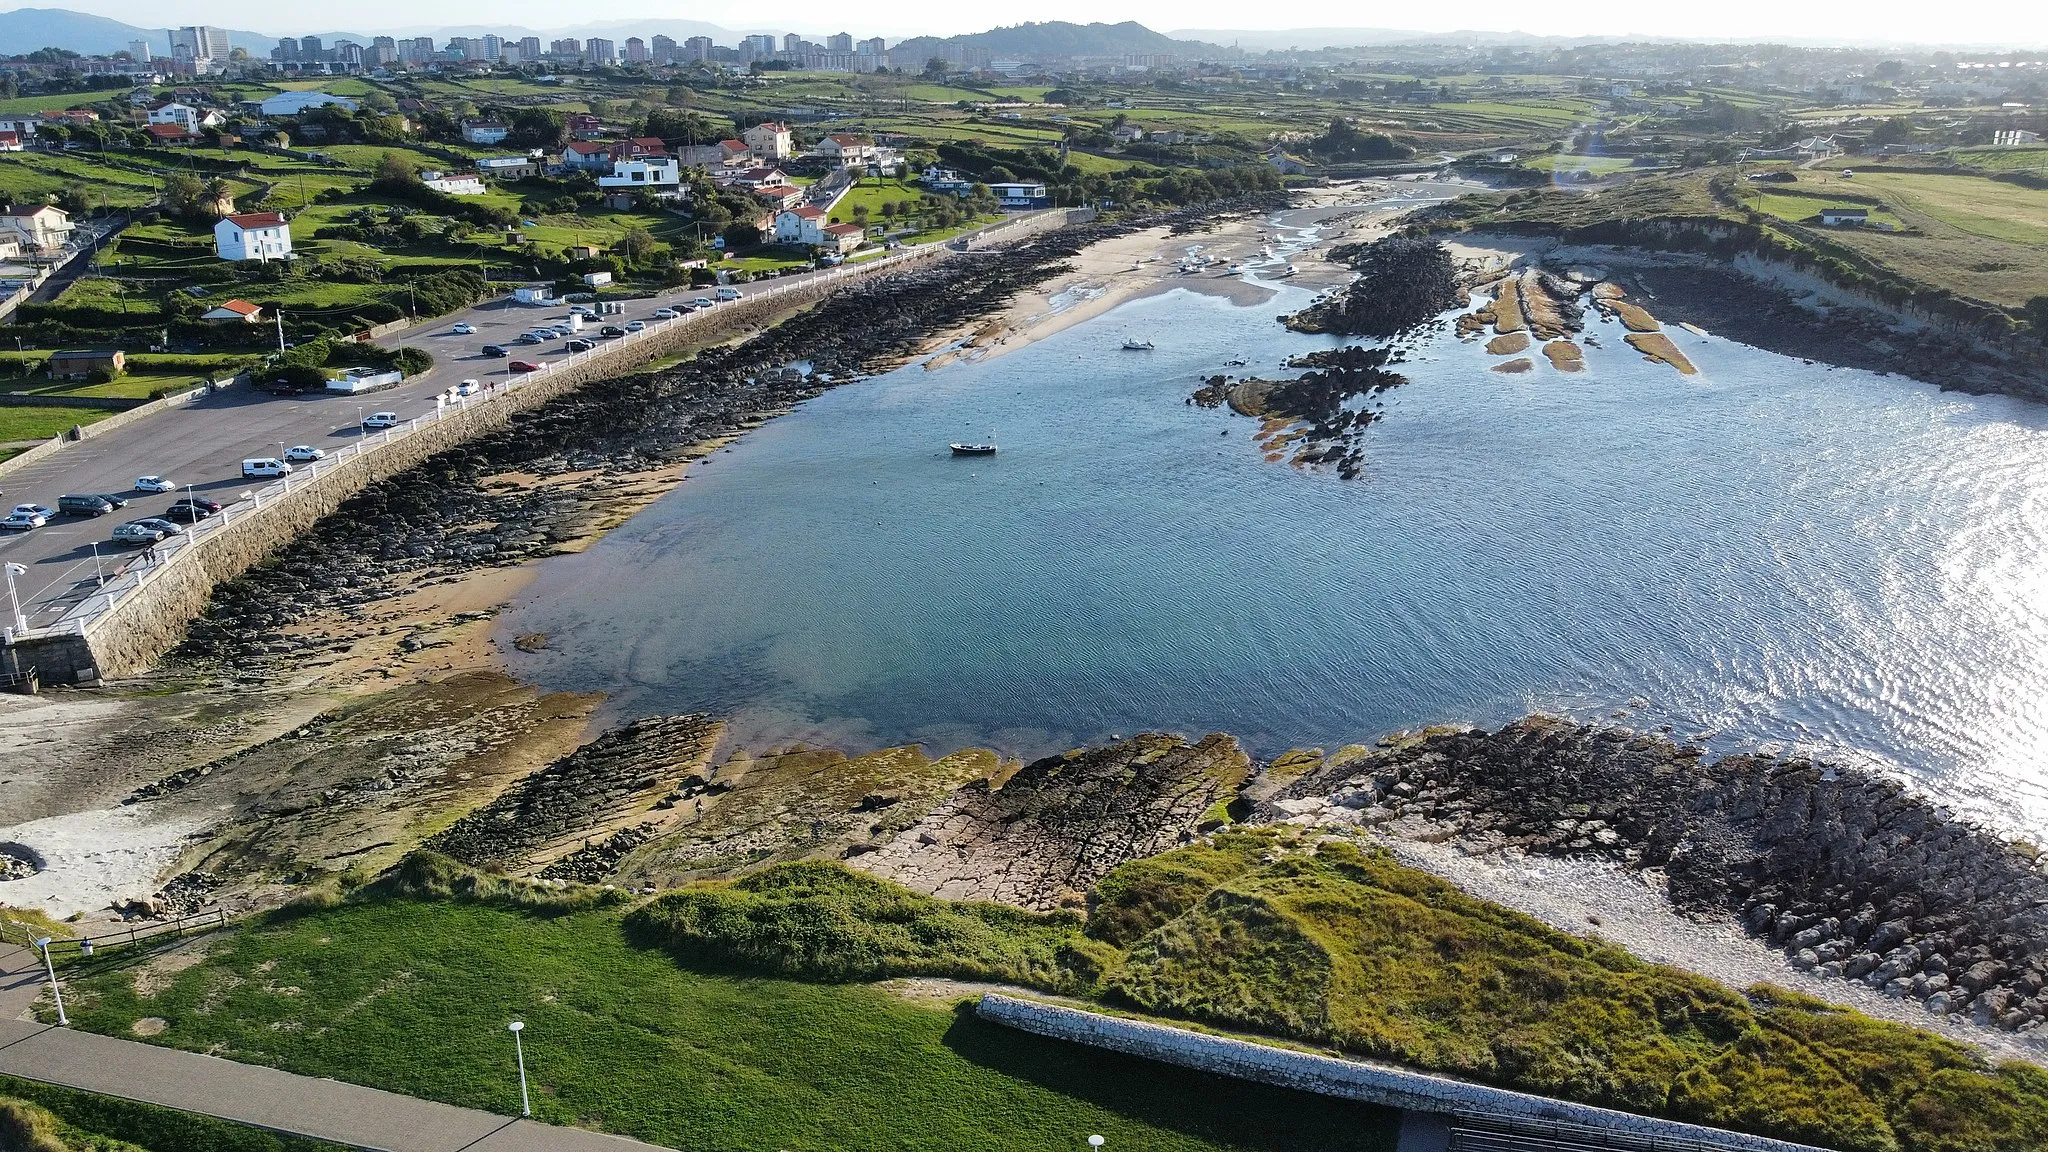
(263, 1097)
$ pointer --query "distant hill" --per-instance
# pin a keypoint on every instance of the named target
(27, 29)
(1056, 38)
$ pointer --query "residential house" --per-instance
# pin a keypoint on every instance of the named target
(639, 148)
(756, 179)
(253, 236)
(453, 183)
(10, 142)
(1128, 134)
(583, 126)
(1839, 217)
(508, 167)
(10, 249)
(72, 117)
(770, 141)
(736, 153)
(780, 195)
(842, 238)
(485, 131)
(234, 312)
(22, 126)
(298, 103)
(85, 361)
(43, 228)
(1284, 164)
(945, 182)
(802, 225)
(660, 175)
(847, 150)
(182, 115)
(586, 156)
(168, 134)
(1020, 194)
(2014, 138)
(703, 157)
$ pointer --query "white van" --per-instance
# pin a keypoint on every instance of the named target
(727, 293)
(265, 467)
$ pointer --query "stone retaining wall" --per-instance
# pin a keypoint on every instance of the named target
(149, 621)
(1346, 1079)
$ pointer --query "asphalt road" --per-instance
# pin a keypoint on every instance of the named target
(200, 446)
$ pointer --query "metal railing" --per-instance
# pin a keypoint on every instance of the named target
(150, 566)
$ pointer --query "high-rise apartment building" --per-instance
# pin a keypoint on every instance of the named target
(697, 48)
(310, 48)
(383, 50)
(839, 42)
(200, 43)
(636, 50)
(493, 47)
(598, 51)
(663, 50)
(529, 48)
(138, 51)
(873, 47)
(567, 49)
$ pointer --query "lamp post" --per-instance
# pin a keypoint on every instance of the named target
(1095, 1141)
(14, 598)
(518, 1052)
(43, 943)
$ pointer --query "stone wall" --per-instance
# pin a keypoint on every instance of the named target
(1345, 1079)
(150, 620)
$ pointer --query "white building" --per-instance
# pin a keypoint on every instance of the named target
(2014, 138)
(848, 150)
(454, 183)
(171, 112)
(770, 141)
(1021, 194)
(295, 103)
(253, 236)
(41, 227)
(484, 131)
(654, 173)
(804, 225)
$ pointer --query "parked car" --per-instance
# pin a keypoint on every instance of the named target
(494, 350)
(83, 505)
(162, 525)
(185, 514)
(611, 331)
(381, 420)
(664, 314)
(153, 484)
(526, 338)
(581, 310)
(464, 330)
(211, 506)
(265, 468)
(136, 532)
(43, 510)
(22, 521)
(701, 302)
(304, 454)
(636, 325)
(728, 294)
(526, 365)
(578, 346)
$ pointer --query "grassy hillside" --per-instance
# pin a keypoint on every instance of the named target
(1335, 944)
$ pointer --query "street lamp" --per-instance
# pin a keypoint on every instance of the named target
(14, 598)
(1095, 1141)
(43, 942)
(518, 1051)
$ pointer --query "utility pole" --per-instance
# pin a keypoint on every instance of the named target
(280, 331)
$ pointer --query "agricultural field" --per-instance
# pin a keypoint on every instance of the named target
(2004, 159)
(1558, 162)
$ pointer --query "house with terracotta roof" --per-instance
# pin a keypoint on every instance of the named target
(770, 141)
(234, 312)
(10, 142)
(253, 236)
(804, 225)
(586, 156)
(843, 238)
(736, 152)
(168, 134)
(639, 148)
(847, 150)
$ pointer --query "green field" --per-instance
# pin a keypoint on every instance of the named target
(414, 996)
(2027, 159)
(18, 425)
(1989, 208)
(1565, 162)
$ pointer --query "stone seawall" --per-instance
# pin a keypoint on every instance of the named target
(1345, 1079)
(149, 621)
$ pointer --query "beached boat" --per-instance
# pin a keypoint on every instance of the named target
(1137, 346)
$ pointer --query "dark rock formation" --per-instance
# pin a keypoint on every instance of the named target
(1402, 283)
(1061, 823)
(1323, 411)
(1844, 870)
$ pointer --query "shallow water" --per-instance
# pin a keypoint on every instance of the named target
(1770, 551)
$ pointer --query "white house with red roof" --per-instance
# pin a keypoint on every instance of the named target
(847, 150)
(10, 142)
(770, 141)
(804, 224)
(253, 236)
(843, 238)
(234, 312)
(639, 148)
(587, 156)
(40, 227)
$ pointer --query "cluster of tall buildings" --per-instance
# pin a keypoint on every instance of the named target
(839, 53)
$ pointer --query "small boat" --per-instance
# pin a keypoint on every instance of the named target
(988, 449)
(1236, 269)
(1137, 346)
(1289, 270)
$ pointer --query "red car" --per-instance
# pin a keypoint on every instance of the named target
(525, 366)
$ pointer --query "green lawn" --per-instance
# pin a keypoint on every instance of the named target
(2029, 159)
(873, 194)
(1566, 162)
(414, 997)
(19, 424)
(1974, 204)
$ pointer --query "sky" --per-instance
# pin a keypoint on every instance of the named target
(1990, 22)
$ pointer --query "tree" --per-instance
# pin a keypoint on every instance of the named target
(538, 128)
(636, 245)
(395, 171)
(935, 69)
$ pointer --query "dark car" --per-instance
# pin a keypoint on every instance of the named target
(83, 505)
(200, 505)
(578, 346)
(527, 338)
(183, 514)
(611, 330)
(209, 504)
(494, 350)
(113, 499)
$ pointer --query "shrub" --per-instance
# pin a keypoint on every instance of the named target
(424, 875)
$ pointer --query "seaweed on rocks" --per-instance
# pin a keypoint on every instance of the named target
(1402, 283)
(1321, 414)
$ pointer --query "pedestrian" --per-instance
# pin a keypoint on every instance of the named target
(149, 556)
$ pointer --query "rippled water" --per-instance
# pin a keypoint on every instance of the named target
(1771, 551)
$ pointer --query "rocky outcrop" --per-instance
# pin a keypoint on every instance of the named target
(1844, 870)
(1060, 824)
(1402, 283)
(619, 776)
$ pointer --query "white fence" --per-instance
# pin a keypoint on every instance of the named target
(138, 571)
